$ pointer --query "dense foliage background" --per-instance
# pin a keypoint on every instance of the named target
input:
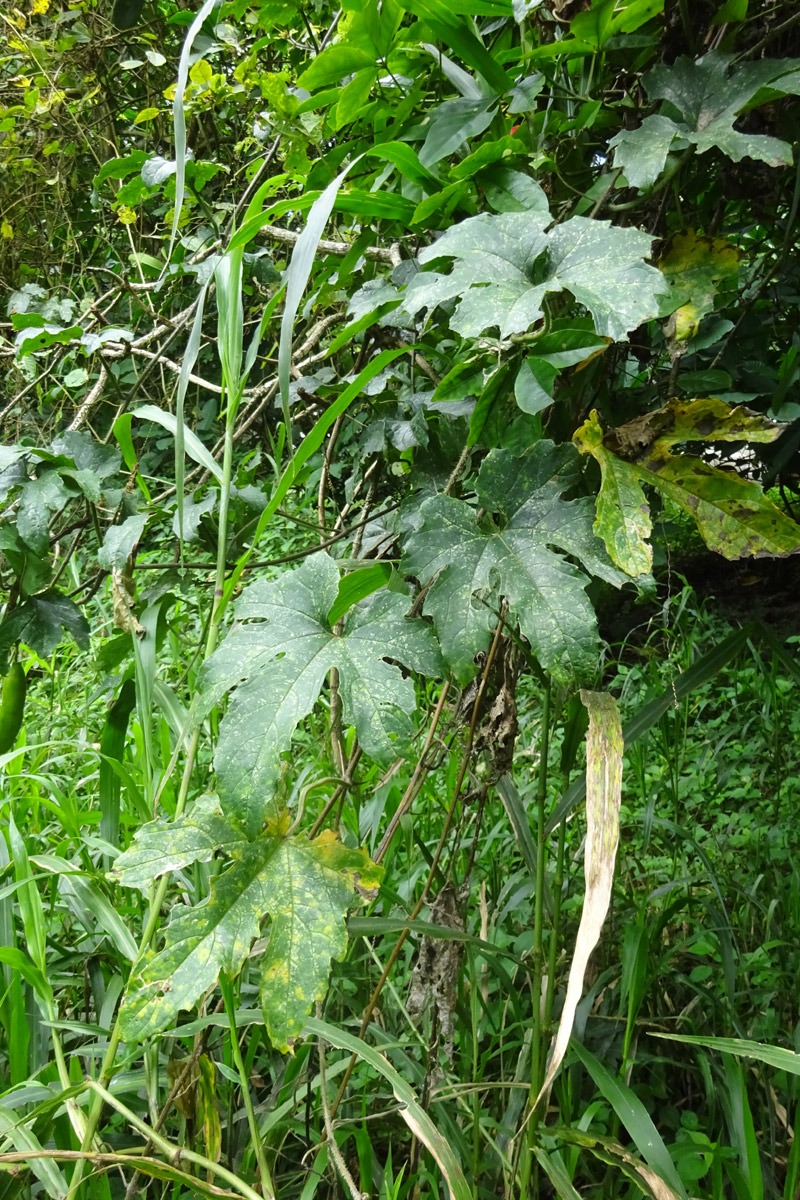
(392, 393)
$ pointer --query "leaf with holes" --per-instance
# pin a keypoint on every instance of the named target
(277, 657)
(732, 514)
(505, 265)
(515, 551)
(305, 887)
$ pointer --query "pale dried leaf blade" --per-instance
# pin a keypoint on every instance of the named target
(603, 786)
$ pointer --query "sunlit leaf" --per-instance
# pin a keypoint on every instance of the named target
(505, 265)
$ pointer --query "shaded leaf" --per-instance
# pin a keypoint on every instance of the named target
(120, 540)
(508, 554)
(39, 500)
(710, 93)
(39, 623)
(86, 453)
(642, 152)
(506, 264)
(277, 657)
(451, 123)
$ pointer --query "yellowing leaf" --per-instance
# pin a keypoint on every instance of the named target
(732, 514)
(6, 230)
(147, 114)
(623, 514)
(603, 790)
(696, 269)
(305, 887)
(686, 322)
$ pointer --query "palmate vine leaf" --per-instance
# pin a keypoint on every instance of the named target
(516, 551)
(305, 887)
(277, 657)
(506, 264)
(710, 93)
(40, 622)
(642, 152)
(732, 514)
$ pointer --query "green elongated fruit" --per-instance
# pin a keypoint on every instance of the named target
(112, 747)
(12, 706)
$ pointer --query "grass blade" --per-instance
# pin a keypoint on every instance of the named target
(412, 1112)
(179, 122)
(773, 1056)
(603, 793)
(302, 260)
(194, 447)
(635, 1117)
(46, 1171)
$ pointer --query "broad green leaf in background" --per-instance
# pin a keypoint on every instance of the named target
(732, 514)
(505, 265)
(451, 124)
(509, 553)
(278, 655)
(603, 793)
(306, 887)
(119, 541)
(642, 152)
(39, 500)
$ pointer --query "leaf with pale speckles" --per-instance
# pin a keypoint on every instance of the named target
(710, 93)
(732, 514)
(277, 657)
(515, 551)
(165, 845)
(505, 265)
(305, 887)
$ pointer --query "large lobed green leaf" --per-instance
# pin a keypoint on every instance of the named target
(516, 551)
(306, 887)
(703, 100)
(505, 265)
(277, 657)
